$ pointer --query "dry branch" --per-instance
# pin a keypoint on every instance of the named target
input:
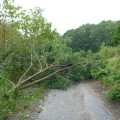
(37, 73)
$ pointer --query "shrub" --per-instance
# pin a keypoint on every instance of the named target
(107, 51)
(114, 92)
(118, 50)
(6, 107)
(59, 82)
(111, 78)
(78, 73)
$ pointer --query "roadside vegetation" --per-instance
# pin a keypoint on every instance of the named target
(33, 55)
(111, 77)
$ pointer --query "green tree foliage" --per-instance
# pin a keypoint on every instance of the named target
(8, 24)
(90, 36)
(109, 74)
(31, 52)
(116, 35)
(78, 38)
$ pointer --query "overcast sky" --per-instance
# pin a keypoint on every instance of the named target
(69, 14)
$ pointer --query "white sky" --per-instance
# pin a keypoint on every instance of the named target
(69, 14)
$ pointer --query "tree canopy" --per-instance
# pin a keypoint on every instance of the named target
(90, 36)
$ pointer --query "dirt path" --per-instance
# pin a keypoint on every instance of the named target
(80, 102)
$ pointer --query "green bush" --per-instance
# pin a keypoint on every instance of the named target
(59, 82)
(93, 65)
(78, 73)
(98, 71)
(112, 81)
(7, 107)
(114, 92)
(111, 73)
(107, 51)
(7, 104)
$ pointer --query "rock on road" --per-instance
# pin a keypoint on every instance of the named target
(76, 103)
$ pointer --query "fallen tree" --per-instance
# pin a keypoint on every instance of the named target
(25, 83)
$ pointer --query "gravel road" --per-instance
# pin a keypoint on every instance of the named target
(76, 103)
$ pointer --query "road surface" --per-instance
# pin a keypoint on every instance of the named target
(76, 103)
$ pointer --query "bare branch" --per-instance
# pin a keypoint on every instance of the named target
(7, 80)
(43, 59)
(39, 72)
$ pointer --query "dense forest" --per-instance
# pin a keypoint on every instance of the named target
(32, 54)
(92, 36)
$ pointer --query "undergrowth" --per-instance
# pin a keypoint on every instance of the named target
(21, 102)
(93, 66)
(110, 74)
